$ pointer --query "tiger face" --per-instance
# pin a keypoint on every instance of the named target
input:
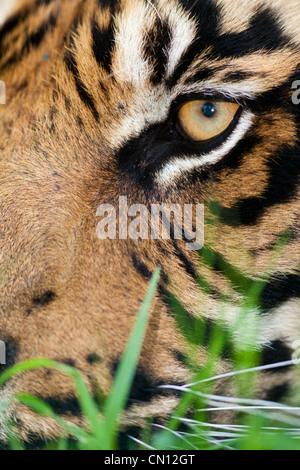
(169, 101)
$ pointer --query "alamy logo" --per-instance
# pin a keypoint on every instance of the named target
(296, 94)
(2, 92)
(162, 221)
(2, 353)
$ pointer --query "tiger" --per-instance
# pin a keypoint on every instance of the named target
(181, 102)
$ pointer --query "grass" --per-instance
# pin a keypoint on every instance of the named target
(256, 424)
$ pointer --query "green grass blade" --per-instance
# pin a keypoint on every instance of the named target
(125, 374)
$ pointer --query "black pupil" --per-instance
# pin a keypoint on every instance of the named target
(208, 110)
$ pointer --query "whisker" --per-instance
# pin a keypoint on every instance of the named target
(155, 9)
(147, 446)
(277, 365)
(177, 434)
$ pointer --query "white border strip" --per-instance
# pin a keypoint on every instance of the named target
(177, 166)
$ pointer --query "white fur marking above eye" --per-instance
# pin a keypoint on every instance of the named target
(178, 166)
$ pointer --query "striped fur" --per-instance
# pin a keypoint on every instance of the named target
(92, 90)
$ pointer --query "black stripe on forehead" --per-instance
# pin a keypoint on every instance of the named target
(112, 4)
(103, 38)
(157, 42)
(207, 16)
(264, 33)
(103, 44)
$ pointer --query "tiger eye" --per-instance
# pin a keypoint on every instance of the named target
(201, 120)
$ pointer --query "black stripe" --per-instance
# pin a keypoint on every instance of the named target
(180, 357)
(157, 42)
(141, 267)
(203, 74)
(264, 33)
(283, 182)
(41, 3)
(112, 4)
(33, 40)
(144, 387)
(187, 264)
(45, 298)
(13, 22)
(20, 17)
(62, 406)
(208, 23)
(278, 392)
(238, 76)
(230, 161)
(276, 352)
(93, 358)
(280, 290)
(84, 95)
(103, 44)
(239, 153)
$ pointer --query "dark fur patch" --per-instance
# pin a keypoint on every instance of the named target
(112, 4)
(157, 42)
(277, 351)
(144, 388)
(279, 290)
(103, 44)
(63, 406)
(282, 186)
(207, 16)
(93, 358)
(45, 299)
(33, 40)
(13, 22)
(68, 362)
(237, 76)
(86, 98)
(141, 267)
(202, 74)
(180, 357)
(263, 34)
(277, 393)
(39, 3)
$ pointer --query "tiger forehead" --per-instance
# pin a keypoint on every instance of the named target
(151, 40)
(147, 53)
